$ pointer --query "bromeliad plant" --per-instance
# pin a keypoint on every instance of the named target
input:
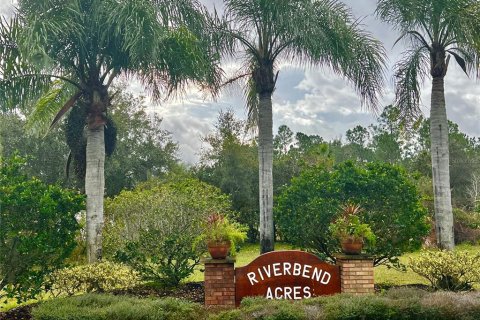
(219, 229)
(349, 226)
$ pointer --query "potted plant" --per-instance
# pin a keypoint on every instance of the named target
(350, 230)
(222, 235)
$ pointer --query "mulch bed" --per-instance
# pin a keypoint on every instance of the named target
(20, 313)
(192, 291)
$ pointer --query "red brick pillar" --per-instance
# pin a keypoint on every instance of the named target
(219, 282)
(356, 274)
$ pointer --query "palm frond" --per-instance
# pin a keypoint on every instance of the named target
(48, 105)
(405, 15)
(181, 59)
(333, 38)
(410, 72)
(129, 32)
(52, 34)
(17, 89)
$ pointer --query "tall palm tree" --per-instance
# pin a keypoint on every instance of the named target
(316, 33)
(435, 31)
(67, 53)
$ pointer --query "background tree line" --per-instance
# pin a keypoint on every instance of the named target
(228, 161)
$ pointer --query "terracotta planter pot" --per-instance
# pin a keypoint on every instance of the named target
(219, 250)
(351, 246)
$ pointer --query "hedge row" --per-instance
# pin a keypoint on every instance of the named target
(394, 304)
(109, 307)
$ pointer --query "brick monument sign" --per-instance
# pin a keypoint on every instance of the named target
(288, 274)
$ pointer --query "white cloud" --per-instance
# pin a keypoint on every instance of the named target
(7, 7)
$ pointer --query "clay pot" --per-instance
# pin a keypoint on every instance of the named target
(352, 246)
(219, 250)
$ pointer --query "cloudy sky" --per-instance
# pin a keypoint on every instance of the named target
(315, 101)
(312, 101)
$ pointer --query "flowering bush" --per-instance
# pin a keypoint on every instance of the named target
(98, 277)
(153, 227)
(448, 270)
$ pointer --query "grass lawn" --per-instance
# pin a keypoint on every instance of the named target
(12, 303)
(383, 275)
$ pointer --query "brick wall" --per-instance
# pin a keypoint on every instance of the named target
(219, 282)
(356, 274)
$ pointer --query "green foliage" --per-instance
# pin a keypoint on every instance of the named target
(143, 149)
(45, 157)
(467, 226)
(349, 226)
(448, 270)
(218, 228)
(153, 228)
(396, 304)
(231, 164)
(96, 277)
(391, 203)
(108, 307)
(464, 162)
(37, 229)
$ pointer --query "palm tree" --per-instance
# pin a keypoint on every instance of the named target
(435, 31)
(67, 53)
(316, 33)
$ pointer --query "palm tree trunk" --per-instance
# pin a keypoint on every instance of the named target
(440, 166)
(94, 189)
(265, 159)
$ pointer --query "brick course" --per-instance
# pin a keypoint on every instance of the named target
(356, 274)
(219, 282)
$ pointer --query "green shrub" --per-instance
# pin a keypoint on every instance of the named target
(391, 207)
(108, 307)
(402, 304)
(254, 308)
(448, 270)
(467, 226)
(37, 230)
(98, 277)
(154, 227)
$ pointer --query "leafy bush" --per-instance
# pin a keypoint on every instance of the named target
(448, 270)
(153, 228)
(37, 229)
(412, 304)
(98, 277)
(391, 203)
(108, 307)
(467, 226)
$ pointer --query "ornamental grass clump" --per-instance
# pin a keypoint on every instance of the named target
(448, 270)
